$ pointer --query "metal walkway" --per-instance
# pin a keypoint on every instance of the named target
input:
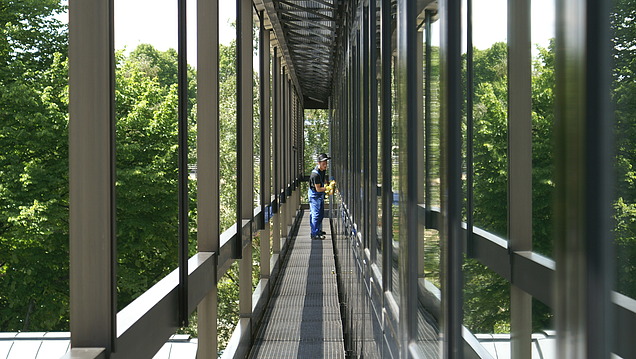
(303, 319)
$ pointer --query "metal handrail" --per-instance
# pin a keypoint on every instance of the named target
(144, 324)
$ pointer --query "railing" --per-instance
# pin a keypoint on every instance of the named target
(145, 324)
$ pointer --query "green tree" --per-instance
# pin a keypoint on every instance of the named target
(33, 167)
(147, 182)
(624, 99)
(486, 293)
(316, 136)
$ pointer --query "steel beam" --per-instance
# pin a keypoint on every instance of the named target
(182, 122)
(266, 157)
(208, 231)
(244, 155)
(365, 126)
(276, 149)
(520, 166)
(450, 233)
(584, 158)
(373, 117)
(408, 122)
(272, 14)
(418, 170)
(92, 209)
(385, 108)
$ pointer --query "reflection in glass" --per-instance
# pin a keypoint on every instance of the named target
(543, 85)
(624, 100)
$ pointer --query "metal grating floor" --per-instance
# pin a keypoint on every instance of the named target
(302, 319)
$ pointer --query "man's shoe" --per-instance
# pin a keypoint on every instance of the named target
(322, 233)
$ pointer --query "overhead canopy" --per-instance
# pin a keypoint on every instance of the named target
(306, 31)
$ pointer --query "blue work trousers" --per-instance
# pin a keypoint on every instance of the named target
(316, 211)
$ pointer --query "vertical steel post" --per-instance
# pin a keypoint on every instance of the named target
(584, 126)
(387, 191)
(418, 170)
(92, 209)
(358, 129)
(353, 128)
(283, 155)
(469, 128)
(519, 167)
(373, 116)
(265, 193)
(428, 135)
(182, 75)
(408, 118)
(290, 149)
(208, 162)
(244, 155)
(366, 130)
(282, 191)
(276, 150)
(451, 191)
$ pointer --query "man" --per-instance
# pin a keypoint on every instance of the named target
(316, 193)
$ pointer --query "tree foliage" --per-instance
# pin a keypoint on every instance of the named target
(33, 167)
(316, 136)
(147, 172)
(487, 294)
(624, 99)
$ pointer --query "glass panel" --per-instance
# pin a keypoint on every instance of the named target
(490, 116)
(34, 230)
(487, 295)
(543, 148)
(146, 155)
(543, 85)
(624, 100)
(228, 285)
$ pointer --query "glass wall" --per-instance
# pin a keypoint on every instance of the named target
(624, 100)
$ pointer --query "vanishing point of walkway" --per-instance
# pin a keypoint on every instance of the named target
(302, 319)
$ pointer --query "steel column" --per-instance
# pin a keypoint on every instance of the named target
(208, 162)
(408, 118)
(584, 126)
(244, 154)
(366, 131)
(387, 191)
(373, 115)
(451, 191)
(418, 170)
(283, 155)
(428, 157)
(519, 167)
(265, 156)
(92, 209)
(276, 150)
(182, 79)
(469, 125)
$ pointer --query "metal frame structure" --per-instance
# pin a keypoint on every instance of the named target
(583, 252)
(326, 54)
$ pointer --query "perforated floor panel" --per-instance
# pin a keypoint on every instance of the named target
(302, 319)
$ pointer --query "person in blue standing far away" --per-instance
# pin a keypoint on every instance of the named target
(316, 193)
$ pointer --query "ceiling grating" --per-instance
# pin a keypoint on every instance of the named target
(310, 28)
